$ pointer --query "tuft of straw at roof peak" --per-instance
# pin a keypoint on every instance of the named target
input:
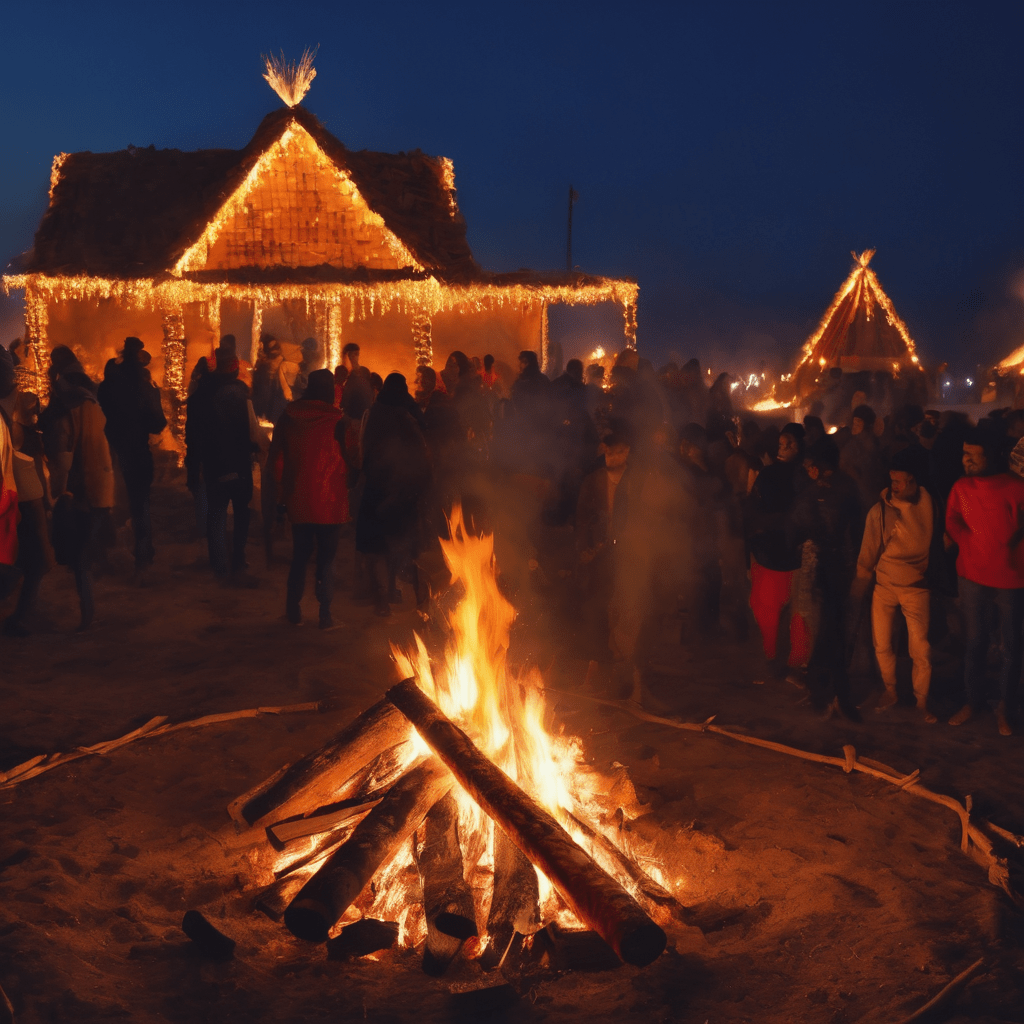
(291, 81)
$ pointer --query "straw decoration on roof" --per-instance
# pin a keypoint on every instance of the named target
(291, 81)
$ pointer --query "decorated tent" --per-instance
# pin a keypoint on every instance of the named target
(861, 330)
(294, 235)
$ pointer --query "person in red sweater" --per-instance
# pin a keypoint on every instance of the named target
(985, 519)
(309, 465)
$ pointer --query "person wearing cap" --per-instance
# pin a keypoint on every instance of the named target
(218, 439)
(985, 519)
(131, 404)
(775, 556)
(895, 552)
(308, 463)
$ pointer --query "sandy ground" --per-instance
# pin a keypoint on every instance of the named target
(821, 896)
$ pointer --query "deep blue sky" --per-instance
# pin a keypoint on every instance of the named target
(728, 156)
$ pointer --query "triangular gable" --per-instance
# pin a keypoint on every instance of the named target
(861, 328)
(296, 208)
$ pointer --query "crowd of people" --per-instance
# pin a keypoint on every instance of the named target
(836, 534)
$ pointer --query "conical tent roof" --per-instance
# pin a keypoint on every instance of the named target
(860, 330)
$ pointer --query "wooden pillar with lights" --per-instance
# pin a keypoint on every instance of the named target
(213, 318)
(257, 331)
(174, 366)
(32, 374)
(333, 334)
(544, 339)
(629, 316)
(422, 343)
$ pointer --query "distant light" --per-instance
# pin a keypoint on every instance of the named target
(832, 430)
(947, 384)
(734, 385)
(970, 383)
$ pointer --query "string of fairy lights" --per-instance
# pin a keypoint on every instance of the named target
(421, 298)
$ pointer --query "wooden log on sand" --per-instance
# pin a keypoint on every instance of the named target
(323, 900)
(593, 895)
(514, 902)
(318, 778)
(447, 897)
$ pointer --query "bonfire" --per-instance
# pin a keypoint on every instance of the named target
(449, 815)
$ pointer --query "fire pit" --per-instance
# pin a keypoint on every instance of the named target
(448, 815)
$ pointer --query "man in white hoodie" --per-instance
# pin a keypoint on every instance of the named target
(895, 547)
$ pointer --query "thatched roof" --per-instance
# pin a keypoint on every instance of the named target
(861, 330)
(133, 213)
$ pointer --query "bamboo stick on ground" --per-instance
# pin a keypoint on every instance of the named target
(332, 890)
(319, 777)
(593, 895)
(934, 1008)
(973, 840)
(154, 727)
(447, 898)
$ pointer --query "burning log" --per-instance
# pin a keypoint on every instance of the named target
(331, 891)
(514, 903)
(286, 831)
(364, 937)
(447, 898)
(318, 778)
(596, 898)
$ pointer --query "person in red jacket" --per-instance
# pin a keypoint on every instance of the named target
(985, 519)
(309, 466)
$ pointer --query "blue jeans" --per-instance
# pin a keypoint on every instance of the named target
(977, 603)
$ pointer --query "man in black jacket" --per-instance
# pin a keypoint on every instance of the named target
(218, 443)
(131, 404)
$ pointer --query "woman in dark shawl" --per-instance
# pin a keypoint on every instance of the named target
(396, 474)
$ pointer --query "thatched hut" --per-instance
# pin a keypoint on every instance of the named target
(294, 235)
(860, 330)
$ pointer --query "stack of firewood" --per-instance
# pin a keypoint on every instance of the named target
(349, 806)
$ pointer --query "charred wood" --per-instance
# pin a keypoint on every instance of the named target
(320, 777)
(447, 897)
(362, 938)
(208, 940)
(331, 891)
(593, 895)
(580, 951)
(514, 903)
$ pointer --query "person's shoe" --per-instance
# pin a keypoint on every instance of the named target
(798, 677)
(294, 613)
(382, 608)
(326, 621)
(394, 596)
(1005, 729)
(929, 717)
(849, 711)
(14, 628)
(965, 714)
(886, 701)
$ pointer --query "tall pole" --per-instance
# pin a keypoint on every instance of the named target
(573, 196)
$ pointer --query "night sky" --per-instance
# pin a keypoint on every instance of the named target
(728, 156)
